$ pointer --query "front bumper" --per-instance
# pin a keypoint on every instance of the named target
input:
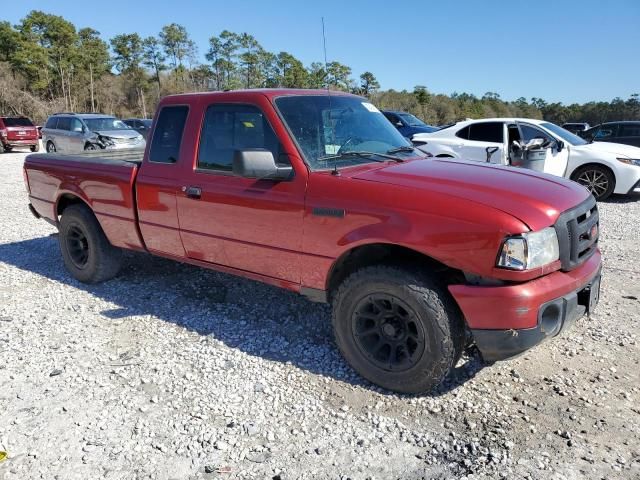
(507, 320)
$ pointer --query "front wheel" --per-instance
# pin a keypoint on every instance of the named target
(397, 328)
(90, 146)
(597, 179)
(85, 249)
(51, 148)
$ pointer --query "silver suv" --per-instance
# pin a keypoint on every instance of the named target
(73, 133)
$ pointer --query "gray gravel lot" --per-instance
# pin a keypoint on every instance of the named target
(174, 372)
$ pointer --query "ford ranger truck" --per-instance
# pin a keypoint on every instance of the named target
(321, 195)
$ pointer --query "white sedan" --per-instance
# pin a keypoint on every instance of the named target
(604, 168)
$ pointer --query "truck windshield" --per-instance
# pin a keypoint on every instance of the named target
(326, 127)
(109, 123)
(566, 135)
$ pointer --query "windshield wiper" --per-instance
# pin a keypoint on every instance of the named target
(402, 148)
(361, 154)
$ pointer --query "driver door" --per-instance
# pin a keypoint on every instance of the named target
(555, 160)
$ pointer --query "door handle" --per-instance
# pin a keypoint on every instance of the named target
(193, 192)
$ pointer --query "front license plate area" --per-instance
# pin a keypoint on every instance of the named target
(594, 294)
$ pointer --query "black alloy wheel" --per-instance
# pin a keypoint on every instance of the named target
(388, 332)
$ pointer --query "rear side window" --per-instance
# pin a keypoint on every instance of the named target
(487, 132)
(167, 137)
(52, 122)
(629, 130)
(464, 133)
(228, 128)
(64, 123)
(17, 122)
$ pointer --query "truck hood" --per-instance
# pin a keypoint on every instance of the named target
(118, 133)
(536, 199)
(618, 149)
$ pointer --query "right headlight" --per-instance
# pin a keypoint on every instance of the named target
(529, 250)
(629, 161)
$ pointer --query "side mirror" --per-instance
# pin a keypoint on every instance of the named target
(260, 164)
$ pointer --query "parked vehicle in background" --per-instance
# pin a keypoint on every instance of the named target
(18, 132)
(603, 168)
(407, 124)
(140, 125)
(320, 195)
(576, 128)
(627, 132)
(73, 133)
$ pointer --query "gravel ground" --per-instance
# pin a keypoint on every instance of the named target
(174, 372)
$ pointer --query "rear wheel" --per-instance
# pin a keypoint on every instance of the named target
(1, 147)
(51, 148)
(597, 179)
(90, 146)
(35, 148)
(86, 252)
(8, 149)
(397, 328)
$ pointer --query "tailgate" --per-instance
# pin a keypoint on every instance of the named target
(21, 133)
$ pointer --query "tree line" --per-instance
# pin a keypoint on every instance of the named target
(49, 65)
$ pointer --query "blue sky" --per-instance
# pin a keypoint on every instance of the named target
(567, 51)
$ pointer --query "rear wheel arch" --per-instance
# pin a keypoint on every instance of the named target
(66, 200)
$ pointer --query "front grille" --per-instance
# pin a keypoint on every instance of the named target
(577, 237)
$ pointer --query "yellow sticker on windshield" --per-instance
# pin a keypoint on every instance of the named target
(248, 124)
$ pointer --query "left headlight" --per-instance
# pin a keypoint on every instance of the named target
(529, 250)
(629, 161)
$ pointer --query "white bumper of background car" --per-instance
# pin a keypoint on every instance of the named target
(627, 179)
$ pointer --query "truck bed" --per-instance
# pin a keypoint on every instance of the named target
(104, 180)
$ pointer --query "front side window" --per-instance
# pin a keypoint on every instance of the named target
(325, 126)
(76, 125)
(167, 137)
(228, 128)
(487, 132)
(530, 132)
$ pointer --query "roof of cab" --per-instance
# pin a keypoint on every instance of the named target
(266, 92)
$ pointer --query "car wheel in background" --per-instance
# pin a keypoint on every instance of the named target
(51, 147)
(35, 148)
(597, 179)
(90, 146)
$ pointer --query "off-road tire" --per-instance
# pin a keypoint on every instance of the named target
(103, 260)
(582, 175)
(434, 309)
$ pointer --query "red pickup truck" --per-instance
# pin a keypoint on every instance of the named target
(321, 195)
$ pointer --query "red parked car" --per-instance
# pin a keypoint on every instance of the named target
(321, 195)
(18, 132)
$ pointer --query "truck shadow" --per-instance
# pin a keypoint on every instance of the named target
(255, 318)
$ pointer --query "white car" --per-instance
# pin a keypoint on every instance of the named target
(604, 168)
